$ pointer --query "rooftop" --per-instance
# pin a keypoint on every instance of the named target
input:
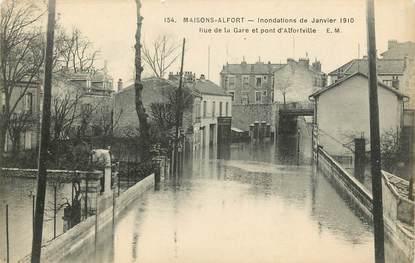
(205, 86)
(384, 66)
(319, 92)
(256, 68)
(399, 49)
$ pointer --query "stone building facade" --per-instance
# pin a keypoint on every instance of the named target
(296, 80)
(249, 83)
(253, 88)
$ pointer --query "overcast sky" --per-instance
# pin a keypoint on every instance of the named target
(111, 24)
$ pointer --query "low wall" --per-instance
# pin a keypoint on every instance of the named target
(393, 204)
(73, 240)
(351, 187)
(244, 115)
(62, 175)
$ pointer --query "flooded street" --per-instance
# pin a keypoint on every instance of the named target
(237, 210)
(261, 202)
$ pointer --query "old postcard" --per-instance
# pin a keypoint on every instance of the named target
(207, 131)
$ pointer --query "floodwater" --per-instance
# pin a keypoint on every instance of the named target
(252, 206)
(259, 202)
(18, 193)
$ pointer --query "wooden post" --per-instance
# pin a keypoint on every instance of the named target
(251, 132)
(359, 158)
(33, 213)
(86, 195)
(375, 157)
(54, 211)
(256, 130)
(7, 235)
(44, 139)
(298, 146)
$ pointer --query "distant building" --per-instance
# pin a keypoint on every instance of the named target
(96, 83)
(337, 128)
(395, 68)
(215, 110)
(249, 83)
(399, 50)
(296, 80)
(390, 71)
(155, 90)
(405, 51)
(256, 87)
(28, 106)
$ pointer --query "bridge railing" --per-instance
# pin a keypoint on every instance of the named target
(297, 105)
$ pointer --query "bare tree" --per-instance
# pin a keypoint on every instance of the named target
(138, 87)
(283, 86)
(163, 115)
(65, 109)
(21, 57)
(161, 55)
(19, 123)
(74, 52)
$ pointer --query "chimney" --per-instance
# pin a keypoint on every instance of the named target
(171, 76)
(316, 66)
(305, 62)
(405, 62)
(119, 85)
(392, 43)
(290, 61)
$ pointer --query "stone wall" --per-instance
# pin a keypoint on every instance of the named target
(244, 115)
(350, 186)
(393, 204)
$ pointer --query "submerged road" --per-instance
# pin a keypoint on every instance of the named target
(254, 206)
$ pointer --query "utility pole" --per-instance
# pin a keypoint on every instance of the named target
(178, 112)
(44, 139)
(375, 157)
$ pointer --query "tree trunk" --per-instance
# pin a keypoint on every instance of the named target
(3, 131)
(138, 87)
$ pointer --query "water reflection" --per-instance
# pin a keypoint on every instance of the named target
(239, 203)
(237, 209)
(16, 192)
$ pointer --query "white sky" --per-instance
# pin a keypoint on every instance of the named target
(111, 24)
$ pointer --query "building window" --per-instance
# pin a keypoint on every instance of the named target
(258, 81)
(204, 108)
(28, 103)
(3, 101)
(264, 78)
(220, 108)
(388, 82)
(258, 96)
(28, 140)
(264, 93)
(231, 82)
(272, 96)
(245, 81)
(244, 99)
(213, 108)
(227, 109)
(232, 93)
